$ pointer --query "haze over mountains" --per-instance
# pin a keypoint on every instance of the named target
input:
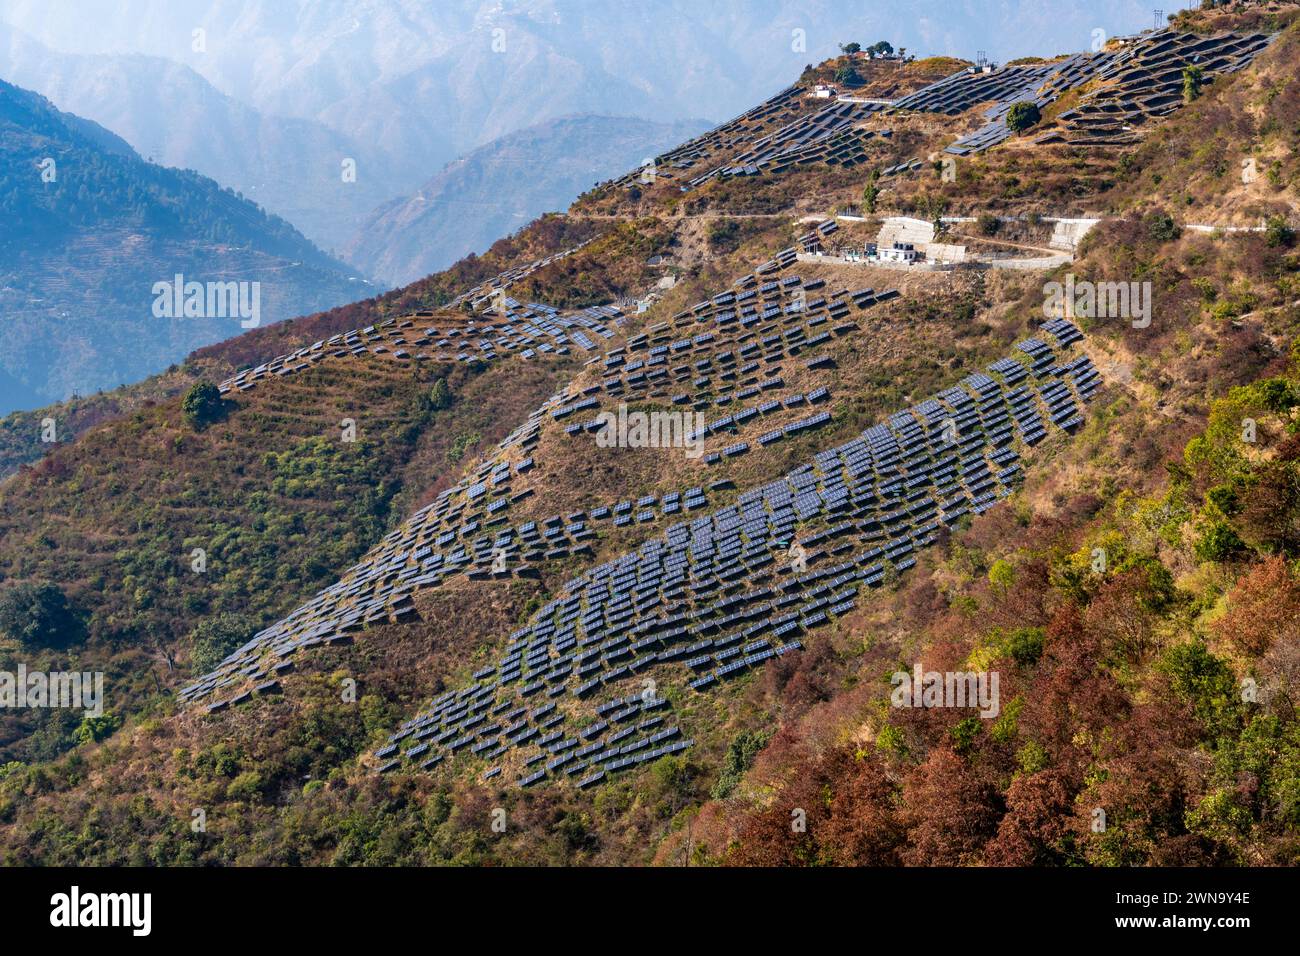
(406, 87)
(90, 228)
(462, 120)
(500, 187)
(175, 117)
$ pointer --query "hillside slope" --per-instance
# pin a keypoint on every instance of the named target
(91, 228)
(500, 187)
(648, 656)
(172, 115)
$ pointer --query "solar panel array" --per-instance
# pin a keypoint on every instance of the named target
(1139, 81)
(830, 135)
(715, 594)
(726, 139)
(734, 343)
(528, 330)
(966, 89)
(1145, 80)
(1041, 90)
(722, 594)
(482, 294)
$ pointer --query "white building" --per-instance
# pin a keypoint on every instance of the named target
(899, 252)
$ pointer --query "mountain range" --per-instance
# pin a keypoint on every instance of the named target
(92, 229)
(270, 98)
(501, 187)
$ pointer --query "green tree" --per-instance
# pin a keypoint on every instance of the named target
(97, 728)
(851, 48)
(1025, 645)
(203, 405)
(460, 445)
(1002, 575)
(1022, 115)
(1162, 228)
(1277, 232)
(1193, 76)
(38, 615)
(871, 193)
(215, 638)
(440, 395)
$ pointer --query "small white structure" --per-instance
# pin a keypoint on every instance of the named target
(1068, 233)
(899, 252)
(823, 92)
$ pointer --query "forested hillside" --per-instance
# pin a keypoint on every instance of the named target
(91, 227)
(432, 597)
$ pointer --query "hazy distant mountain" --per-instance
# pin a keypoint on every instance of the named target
(172, 115)
(405, 74)
(91, 229)
(500, 187)
(406, 86)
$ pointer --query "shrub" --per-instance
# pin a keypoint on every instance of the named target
(740, 757)
(871, 193)
(38, 615)
(1277, 232)
(1022, 115)
(724, 235)
(97, 728)
(1002, 575)
(1204, 681)
(1218, 541)
(1025, 645)
(1161, 227)
(440, 395)
(988, 224)
(460, 445)
(203, 405)
(216, 637)
(247, 786)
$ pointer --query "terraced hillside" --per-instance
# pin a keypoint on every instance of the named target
(658, 652)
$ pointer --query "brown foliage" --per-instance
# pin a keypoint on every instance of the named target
(949, 811)
(1264, 607)
(1036, 823)
(846, 801)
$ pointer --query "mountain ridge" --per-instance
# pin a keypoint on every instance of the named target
(499, 187)
(93, 230)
